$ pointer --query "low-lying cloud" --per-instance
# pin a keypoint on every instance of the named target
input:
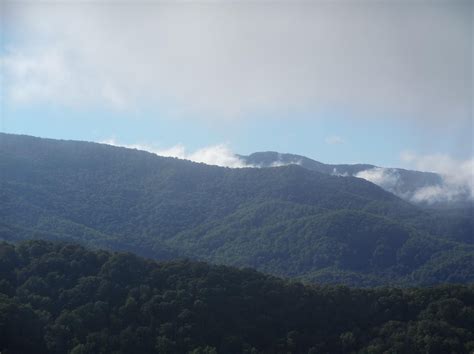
(387, 178)
(218, 155)
(456, 184)
(457, 177)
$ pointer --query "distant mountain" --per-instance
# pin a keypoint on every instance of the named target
(288, 221)
(401, 182)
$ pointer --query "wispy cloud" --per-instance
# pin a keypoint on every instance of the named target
(334, 140)
(457, 175)
(457, 178)
(219, 155)
(386, 178)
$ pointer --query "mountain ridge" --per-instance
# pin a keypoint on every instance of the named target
(402, 182)
(270, 219)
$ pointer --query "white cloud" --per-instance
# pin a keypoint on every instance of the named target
(408, 58)
(279, 163)
(386, 178)
(40, 77)
(334, 140)
(145, 147)
(52, 75)
(178, 151)
(219, 155)
(457, 176)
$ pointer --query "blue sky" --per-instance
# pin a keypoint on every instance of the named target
(373, 141)
(338, 83)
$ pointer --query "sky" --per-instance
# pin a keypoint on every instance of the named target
(342, 81)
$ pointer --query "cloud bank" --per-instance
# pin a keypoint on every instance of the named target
(226, 59)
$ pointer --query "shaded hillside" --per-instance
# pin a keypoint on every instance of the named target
(288, 221)
(346, 247)
(62, 298)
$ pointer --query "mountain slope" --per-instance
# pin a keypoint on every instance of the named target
(403, 183)
(62, 298)
(288, 221)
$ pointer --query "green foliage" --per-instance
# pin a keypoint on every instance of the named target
(286, 221)
(63, 298)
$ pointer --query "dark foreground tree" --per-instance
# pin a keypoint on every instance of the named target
(62, 298)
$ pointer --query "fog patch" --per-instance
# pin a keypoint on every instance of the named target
(281, 162)
(335, 172)
(457, 178)
(387, 178)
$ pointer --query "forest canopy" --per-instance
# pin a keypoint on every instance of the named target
(64, 298)
(286, 221)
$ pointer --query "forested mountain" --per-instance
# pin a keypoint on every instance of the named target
(62, 298)
(274, 159)
(287, 221)
(403, 183)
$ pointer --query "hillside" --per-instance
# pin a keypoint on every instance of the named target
(287, 221)
(403, 183)
(62, 298)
